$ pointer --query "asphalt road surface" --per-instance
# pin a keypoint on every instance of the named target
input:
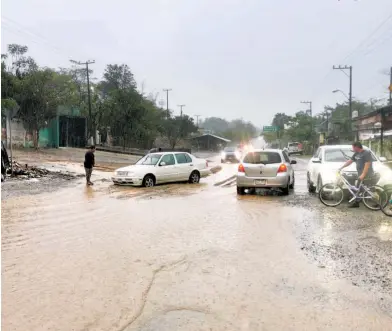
(192, 257)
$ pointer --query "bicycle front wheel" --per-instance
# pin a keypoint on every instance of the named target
(331, 195)
(387, 209)
(375, 198)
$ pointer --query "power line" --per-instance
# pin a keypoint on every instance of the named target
(378, 43)
(28, 33)
(372, 33)
(350, 54)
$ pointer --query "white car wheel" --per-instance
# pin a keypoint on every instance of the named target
(194, 178)
(311, 188)
(148, 181)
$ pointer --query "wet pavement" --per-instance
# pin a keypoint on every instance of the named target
(192, 257)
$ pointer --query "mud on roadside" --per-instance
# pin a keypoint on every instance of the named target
(355, 245)
(23, 185)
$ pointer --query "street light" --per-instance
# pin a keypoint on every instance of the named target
(335, 91)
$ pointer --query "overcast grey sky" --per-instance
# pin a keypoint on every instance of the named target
(243, 58)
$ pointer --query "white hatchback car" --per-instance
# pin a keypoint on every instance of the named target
(327, 160)
(163, 167)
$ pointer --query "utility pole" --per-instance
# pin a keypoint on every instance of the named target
(91, 124)
(327, 131)
(327, 114)
(383, 115)
(310, 112)
(390, 89)
(167, 90)
(181, 106)
(350, 95)
(197, 120)
(12, 166)
(310, 107)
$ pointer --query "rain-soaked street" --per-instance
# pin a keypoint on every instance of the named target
(192, 257)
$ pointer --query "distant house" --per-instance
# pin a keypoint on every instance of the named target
(369, 125)
(209, 142)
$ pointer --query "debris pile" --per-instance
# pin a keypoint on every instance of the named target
(21, 171)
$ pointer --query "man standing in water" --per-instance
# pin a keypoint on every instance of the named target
(89, 162)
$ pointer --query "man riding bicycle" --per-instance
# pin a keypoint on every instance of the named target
(364, 161)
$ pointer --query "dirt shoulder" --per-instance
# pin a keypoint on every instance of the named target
(65, 167)
(17, 186)
(105, 161)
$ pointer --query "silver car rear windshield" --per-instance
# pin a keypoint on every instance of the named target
(262, 158)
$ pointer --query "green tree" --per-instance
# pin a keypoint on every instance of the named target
(240, 131)
(8, 87)
(280, 120)
(177, 128)
(41, 92)
(215, 124)
(301, 128)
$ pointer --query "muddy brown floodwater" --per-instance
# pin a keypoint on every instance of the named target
(176, 257)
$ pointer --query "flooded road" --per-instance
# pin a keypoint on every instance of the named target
(191, 257)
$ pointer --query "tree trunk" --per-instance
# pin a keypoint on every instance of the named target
(36, 138)
(94, 134)
(124, 142)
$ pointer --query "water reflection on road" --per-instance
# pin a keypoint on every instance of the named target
(175, 257)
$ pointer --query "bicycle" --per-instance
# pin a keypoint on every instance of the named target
(387, 209)
(373, 197)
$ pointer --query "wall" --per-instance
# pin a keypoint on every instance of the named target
(48, 137)
(18, 133)
(375, 146)
(21, 138)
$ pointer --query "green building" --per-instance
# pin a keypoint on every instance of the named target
(67, 129)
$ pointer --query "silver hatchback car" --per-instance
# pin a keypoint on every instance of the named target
(266, 168)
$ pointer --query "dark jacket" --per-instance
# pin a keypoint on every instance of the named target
(5, 161)
(89, 160)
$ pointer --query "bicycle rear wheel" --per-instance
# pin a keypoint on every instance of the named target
(387, 209)
(331, 195)
(375, 198)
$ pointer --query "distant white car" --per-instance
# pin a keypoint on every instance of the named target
(163, 167)
(327, 160)
(295, 148)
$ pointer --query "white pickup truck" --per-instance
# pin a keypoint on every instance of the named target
(295, 148)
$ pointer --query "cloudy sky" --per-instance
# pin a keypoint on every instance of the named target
(227, 58)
